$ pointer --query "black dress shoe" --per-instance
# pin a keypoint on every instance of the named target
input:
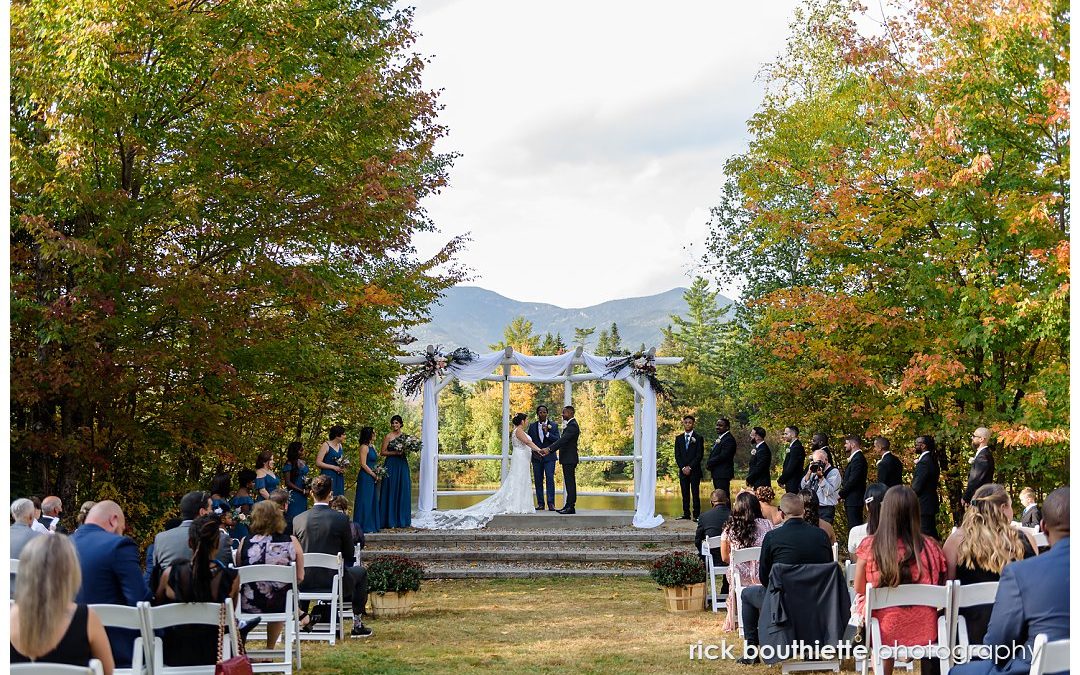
(683, 517)
(747, 662)
(539, 508)
(567, 511)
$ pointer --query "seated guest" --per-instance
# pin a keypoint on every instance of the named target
(795, 542)
(200, 579)
(1032, 515)
(711, 523)
(745, 529)
(242, 502)
(83, 510)
(341, 504)
(875, 492)
(811, 514)
(1032, 598)
(280, 497)
(174, 545)
(148, 572)
(982, 546)
(899, 553)
(51, 508)
(46, 625)
(765, 496)
(22, 512)
(37, 525)
(269, 545)
(321, 529)
(109, 563)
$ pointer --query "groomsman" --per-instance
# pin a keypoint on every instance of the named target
(721, 462)
(890, 470)
(689, 450)
(820, 441)
(544, 433)
(791, 474)
(924, 482)
(982, 464)
(853, 487)
(760, 460)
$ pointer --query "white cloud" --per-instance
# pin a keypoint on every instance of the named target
(593, 135)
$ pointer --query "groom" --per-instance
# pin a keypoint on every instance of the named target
(568, 457)
(543, 433)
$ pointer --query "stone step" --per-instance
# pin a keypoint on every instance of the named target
(517, 554)
(494, 536)
(528, 573)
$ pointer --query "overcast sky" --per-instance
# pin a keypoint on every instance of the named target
(593, 135)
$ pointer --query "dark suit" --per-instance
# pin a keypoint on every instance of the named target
(721, 463)
(321, 529)
(982, 472)
(853, 488)
(1032, 598)
(1031, 517)
(711, 524)
(111, 576)
(544, 467)
(792, 472)
(890, 470)
(47, 521)
(760, 466)
(690, 486)
(924, 481)
(796, 542)
(566, 445)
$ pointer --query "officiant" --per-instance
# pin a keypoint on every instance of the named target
(544, 432)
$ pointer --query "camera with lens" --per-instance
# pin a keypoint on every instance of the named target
(817, 467)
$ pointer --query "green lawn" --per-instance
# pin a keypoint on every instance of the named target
(603, 625)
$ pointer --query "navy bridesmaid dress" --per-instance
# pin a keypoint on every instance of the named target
(366, 503)
(338, 479)
(297, 500)
(395, 495)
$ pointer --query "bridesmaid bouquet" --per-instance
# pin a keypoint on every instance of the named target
(410, 444)
(344, 462)
(380, 473)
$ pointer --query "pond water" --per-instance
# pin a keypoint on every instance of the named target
(667, 504)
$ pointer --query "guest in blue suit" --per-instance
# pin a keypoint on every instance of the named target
(1032, 596)
(110, 570)
(544, 433)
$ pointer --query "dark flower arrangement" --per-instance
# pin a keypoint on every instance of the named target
(640, 363)
(393, 573)
(436, 363)
(678, 568)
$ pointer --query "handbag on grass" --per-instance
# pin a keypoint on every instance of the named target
(237, 665)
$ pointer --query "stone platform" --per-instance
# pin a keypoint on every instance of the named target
(588, 543)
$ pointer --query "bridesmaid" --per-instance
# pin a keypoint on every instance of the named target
(366, 504)
(243, 502)
(330, 453)
(265, 480)
(395, 496)
(294, 473)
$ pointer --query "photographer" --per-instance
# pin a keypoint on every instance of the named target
(823, 479)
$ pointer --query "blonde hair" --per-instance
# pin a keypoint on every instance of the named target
(49, 578)
(266, 518)
(990, 542)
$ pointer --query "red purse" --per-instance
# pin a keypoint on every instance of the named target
(237, 665)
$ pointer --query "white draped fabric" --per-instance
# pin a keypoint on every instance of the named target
(545, 366)
(542, 367)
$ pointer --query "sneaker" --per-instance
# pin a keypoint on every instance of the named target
(360, 631)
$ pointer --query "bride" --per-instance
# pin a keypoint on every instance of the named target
(514, 496)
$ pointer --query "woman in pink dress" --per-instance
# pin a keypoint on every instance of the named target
(898, 553)
(744, 529)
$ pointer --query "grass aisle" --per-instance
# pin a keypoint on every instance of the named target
(605, 625)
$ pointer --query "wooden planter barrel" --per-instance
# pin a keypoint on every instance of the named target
(394, 603)
(685, 599)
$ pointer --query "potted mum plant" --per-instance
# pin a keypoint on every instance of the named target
(682, 574)
(393, 581)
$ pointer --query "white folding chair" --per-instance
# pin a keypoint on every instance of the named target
(907, 595)
(333, 595)
(14, 576)
(346, 605)
(835, 552)
(184, 614)
(1049, 657)
(740, 556)
(849, 574)
(1038, 535)
(124, 616)
(971, 595)
(43, 668)
(290, 635)
(713, 570)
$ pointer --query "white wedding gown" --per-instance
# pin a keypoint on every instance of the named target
(515, 495)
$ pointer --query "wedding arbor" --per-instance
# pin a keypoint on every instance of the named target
(441, 369)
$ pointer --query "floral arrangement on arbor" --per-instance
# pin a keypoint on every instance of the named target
(642, 364)
(436, 363)
(678, 568)
(394, 573)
